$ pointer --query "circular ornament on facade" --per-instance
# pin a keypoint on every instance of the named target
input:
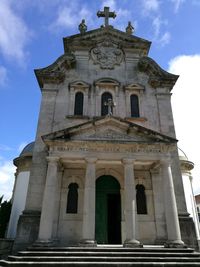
(107, 56)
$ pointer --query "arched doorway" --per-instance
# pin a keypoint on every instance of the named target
(108, 211)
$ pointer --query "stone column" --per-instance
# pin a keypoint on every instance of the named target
(89, 204)
(130, 205)
(171, 213)
(49, 198)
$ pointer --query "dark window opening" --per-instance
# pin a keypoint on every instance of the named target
(104, 99)
(141, 199)
(78, 107)
(134, 106)
(72, 198)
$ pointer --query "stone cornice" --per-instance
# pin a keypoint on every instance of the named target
(79, 84)
(186, 165)
(23, 162)
(91, 38)
(157, 76)
(60, 148)
(129, 127)
(55, 73)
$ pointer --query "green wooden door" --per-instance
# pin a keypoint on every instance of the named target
(108, 211)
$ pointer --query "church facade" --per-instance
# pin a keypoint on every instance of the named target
(104, 168)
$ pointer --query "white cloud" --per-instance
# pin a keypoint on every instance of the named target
(150, 5)
(109, 3)
(165, 39)
(67, 16)
(3, 75)
(159, 37)
(7, 170)
(14, 33)
(157, 22)
(186, 108)
(177, 4)
(152, 10)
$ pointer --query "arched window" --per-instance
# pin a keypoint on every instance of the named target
(104, 99)
(141, 199)
(134, 106)
(78, 107)
(72, 198)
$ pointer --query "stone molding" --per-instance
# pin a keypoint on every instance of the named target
(90, 38)
(134, 87)
(91, 160)
(186, 165)
(52, 159)
(55, 73)
(127, 161)
(81, 146)
(77, 85)
(157, 76)
(128, 128)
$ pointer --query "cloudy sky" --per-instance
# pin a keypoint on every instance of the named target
(31, 33)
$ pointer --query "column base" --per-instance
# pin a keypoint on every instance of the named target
(45, 243)
(175, 244)
(88, 243)
(132, 243)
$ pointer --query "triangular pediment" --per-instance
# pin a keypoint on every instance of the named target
(91, 38)
(106, 40)
(109, 129)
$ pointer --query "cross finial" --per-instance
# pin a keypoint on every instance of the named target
(106, 14)
(110, 104)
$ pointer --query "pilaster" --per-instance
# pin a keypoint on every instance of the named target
(48, 205)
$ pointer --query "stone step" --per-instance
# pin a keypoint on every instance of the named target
(102, 264)
(103, 256)
(114, 249)
(106, 254)
(104, 259)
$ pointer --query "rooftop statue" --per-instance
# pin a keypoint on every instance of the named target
(82, 27)
(129, 28)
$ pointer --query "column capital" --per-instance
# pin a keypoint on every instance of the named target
(91, 160)
(128, 161)
(52, 159)
(165, 162)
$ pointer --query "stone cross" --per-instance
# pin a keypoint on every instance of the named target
(106, 14)
(110, 104)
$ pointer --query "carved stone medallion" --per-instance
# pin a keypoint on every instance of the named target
(107, 55)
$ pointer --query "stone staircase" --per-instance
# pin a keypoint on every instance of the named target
(103, 256)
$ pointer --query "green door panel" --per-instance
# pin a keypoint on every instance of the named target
(108, 211)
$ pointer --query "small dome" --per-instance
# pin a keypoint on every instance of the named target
(182, 155)
(184, 162)
(28, 150)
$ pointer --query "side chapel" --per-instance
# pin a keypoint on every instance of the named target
(104, 167)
